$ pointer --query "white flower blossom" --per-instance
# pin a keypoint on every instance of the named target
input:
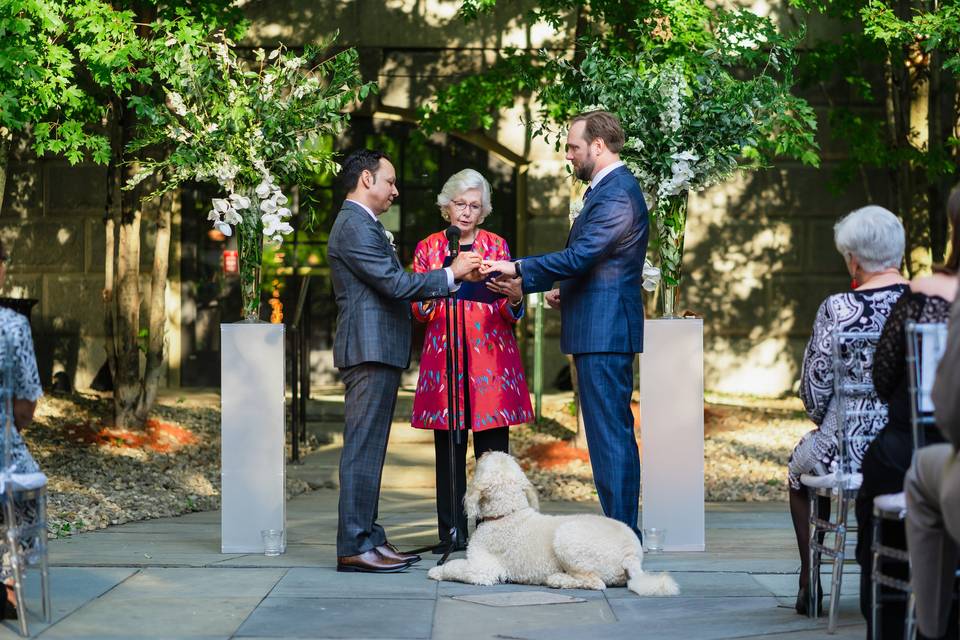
(177, 104)
(264, 189)
(239, 201)
(651, 275)
(223, 228)
(293, 63)
(268, 206)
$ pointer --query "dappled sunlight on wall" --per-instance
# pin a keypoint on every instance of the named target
(759, 261)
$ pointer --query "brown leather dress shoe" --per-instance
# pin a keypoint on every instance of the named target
(390, 552)
(370, 562)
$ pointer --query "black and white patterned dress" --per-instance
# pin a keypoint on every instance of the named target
(15, 331)
(865, 311)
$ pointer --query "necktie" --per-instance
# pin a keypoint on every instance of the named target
(586, 193)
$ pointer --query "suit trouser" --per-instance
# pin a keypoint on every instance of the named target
(371, 397)
(606, 384)
(933, 532)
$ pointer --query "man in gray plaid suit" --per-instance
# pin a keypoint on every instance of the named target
(371, 349)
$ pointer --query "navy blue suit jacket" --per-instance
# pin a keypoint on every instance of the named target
(601, 270)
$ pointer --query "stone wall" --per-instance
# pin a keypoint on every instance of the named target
(52, 227)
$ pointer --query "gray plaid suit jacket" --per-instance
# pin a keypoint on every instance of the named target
(373, 292)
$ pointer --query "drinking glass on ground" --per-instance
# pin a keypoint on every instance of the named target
(272, 541)
(653, 539)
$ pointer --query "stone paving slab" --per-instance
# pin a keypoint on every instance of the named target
(340, 618)
(684, 618)
(458, 620)
(70, 589)
(327, 583)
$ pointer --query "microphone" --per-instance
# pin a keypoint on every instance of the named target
(453, 233)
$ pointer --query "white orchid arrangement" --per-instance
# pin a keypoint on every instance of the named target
(250, 126)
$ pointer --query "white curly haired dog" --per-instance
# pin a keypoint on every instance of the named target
(514, 542)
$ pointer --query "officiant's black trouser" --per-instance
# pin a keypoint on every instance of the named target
(497, 439)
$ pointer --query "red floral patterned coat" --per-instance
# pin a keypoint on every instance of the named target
(498, 387)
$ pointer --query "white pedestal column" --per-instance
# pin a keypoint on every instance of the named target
(671, 414)
(252, 427)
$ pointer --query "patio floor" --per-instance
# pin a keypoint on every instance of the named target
(167, 579)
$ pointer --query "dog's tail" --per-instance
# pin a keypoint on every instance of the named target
(648, 584)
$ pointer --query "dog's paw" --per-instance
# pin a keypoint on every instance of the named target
(436, 573)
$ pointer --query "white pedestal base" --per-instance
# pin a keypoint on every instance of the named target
(252, 426)
(671, 414)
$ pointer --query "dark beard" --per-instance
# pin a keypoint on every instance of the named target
(585, 172)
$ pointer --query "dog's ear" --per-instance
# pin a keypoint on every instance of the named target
(532, 498)
(471, 500)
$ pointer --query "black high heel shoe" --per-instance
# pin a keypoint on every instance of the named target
(803, 600)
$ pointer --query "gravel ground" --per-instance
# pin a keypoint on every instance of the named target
(99, 478)
(746, 446)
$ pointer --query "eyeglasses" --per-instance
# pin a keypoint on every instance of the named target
(460, 206)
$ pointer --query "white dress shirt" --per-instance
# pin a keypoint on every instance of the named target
(603, 173)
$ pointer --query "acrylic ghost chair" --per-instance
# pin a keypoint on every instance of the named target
(925, 346)
(860, 416)
(23, 532)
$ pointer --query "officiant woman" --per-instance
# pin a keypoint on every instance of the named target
(494, 392)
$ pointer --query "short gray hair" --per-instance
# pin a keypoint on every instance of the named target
(873, 235)
(464, 181)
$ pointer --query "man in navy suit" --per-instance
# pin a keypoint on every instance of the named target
(601, 309)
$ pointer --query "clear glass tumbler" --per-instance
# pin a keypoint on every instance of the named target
(272, 541)
(653, 539)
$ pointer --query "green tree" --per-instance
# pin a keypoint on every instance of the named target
(40, 91)
(78, 75)
(116, 45)
(900, 56)
(700, 92)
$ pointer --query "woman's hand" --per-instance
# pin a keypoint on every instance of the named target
(507, 286)
(23, 412)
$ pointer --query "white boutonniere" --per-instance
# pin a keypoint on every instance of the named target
(576, 206)
(393, 244)
(651, 275)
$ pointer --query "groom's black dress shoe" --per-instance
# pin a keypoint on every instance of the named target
(390, 552)
(370, 562)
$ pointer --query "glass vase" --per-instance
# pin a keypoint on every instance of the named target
(671, 219)
(250, 249)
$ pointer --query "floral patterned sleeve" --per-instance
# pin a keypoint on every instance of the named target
(816, 376)
(26, 378)
(421, 264)
(890, 357)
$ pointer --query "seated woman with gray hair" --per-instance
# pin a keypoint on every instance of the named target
(871, 241)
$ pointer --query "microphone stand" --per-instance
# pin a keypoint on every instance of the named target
(454, 411)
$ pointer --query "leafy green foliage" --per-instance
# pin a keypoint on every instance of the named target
(39, 84)
(700, 93)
